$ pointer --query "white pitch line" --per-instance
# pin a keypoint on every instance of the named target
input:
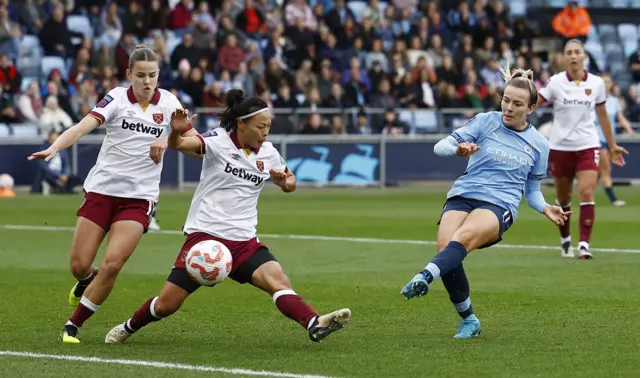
(157, 364)
(328, 238)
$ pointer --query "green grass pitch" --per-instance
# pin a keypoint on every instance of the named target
(542, 315)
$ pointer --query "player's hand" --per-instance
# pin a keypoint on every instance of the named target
(45, 155)
(617, 155)
(180, 120)
(157, 150)
(556, 214)
(467, 149)
(279, 177)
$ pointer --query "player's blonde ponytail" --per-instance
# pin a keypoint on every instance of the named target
(519, 78)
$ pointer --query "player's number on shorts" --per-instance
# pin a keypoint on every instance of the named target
(596, 157)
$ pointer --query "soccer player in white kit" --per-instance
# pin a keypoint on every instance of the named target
(122, 188)
(237, 162)
(575, 145)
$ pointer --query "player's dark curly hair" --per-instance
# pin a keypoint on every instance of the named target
(238, 106)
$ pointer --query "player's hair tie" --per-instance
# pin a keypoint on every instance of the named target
(252, 114)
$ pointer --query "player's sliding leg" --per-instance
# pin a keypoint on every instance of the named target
(86, 241)
(605, 178)
(564, 188)
(587, 181)
(123, 239)
(177, 289)
(270, 277)
(457, 286)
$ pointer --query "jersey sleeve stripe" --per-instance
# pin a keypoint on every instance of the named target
(457, 137)
(189, 128)
(533, 176)
(203, 147)
(97, 116)
(601, 103)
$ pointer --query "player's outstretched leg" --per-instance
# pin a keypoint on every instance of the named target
(564, 188)
(270, 277)
(86, 240)
(480, 227)
(586, 186)
(457, 286)
(123, 240)
(167, 303)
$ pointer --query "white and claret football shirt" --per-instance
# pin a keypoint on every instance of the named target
(124, 168)
(574, 116)
(225, 203)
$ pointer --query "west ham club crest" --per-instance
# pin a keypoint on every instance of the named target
(588, 92)
(260, 165)
(158, 118)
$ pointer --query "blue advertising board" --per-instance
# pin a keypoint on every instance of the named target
(339, 163)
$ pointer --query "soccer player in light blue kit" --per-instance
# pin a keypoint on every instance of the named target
(616, 116)
(507, 156)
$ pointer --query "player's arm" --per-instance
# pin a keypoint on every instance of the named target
(605, 123)
(533, 192)
(462, 141)
(624, 122)
(69, 137)
(192, 133)
(545, 93)
(285, 179)
(189, 145)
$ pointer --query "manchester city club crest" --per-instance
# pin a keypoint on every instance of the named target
(527, 148)
(158, 118)
(587, 91)
(260, 165)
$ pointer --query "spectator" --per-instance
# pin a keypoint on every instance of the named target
(572, 22)
(110, 25)
(32, 16)
(10, 78)
(181, 15)
(8, 113)
(251, 20)
(55, 172)
(230, 55)
(30, 103)
(54, 118)
(55, 37)
(156, 18)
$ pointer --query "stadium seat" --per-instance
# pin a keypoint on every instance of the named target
(80, 24)
(628, 32)
(425, 121)
(49, 63)
(595, 49)
(518, 8)
(406, 116)
(4, 130)
(358, 8)
(28, 66)
(30, 46)
(619, 3)
(635, 3)
(593, 35)
(26, 81)
(558, 3)
(25, 130)
(630, 47)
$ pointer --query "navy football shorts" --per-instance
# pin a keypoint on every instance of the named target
(468, 205)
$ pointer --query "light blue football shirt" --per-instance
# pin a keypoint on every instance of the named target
(507, 158)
